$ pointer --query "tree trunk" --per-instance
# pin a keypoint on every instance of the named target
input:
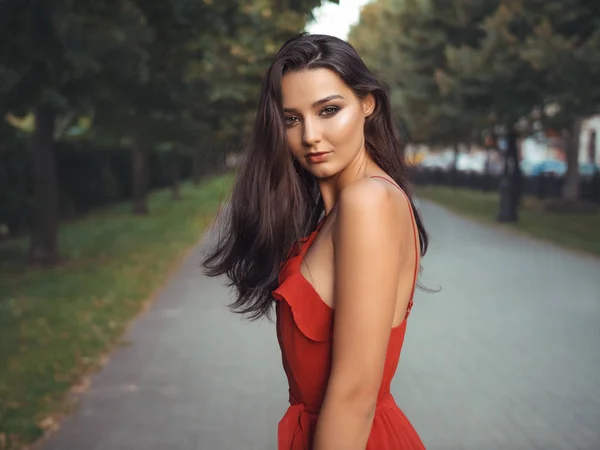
(43, 249)
(454, 168)
(176, 174)
(486, 185)
(511, 182)
(570, 192)
(140, 173)
(488, 163)
(196, 166)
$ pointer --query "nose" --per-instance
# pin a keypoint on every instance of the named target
(312, 133)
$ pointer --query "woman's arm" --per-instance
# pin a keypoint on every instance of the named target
(369, 237)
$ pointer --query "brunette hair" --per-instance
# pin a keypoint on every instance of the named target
(275, 202)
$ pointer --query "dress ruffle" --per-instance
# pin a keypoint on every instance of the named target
(311, 315)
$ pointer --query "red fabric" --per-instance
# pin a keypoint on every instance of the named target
(304, 331)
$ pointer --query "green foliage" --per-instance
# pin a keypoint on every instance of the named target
(59, 53)
(177, 74)
(492, 77)
(564, 47)
(458, 67)
(405, 42)
(168, 69)
(234, 64)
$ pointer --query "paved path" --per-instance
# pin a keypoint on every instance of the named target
(506, 356)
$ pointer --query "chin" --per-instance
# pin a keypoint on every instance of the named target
(322, 171)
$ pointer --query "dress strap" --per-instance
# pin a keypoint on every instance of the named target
(416, 241)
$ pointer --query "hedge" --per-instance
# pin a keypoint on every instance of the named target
(89, 177)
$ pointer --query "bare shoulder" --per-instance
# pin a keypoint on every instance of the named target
(373, 203)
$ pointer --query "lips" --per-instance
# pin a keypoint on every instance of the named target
(317, 156)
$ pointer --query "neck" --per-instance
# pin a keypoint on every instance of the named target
(362, 166)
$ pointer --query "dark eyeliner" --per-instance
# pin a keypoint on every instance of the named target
(334, 109)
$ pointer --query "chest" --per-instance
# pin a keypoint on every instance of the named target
(316, 266)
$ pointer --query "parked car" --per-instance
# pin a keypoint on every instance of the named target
(550, 166)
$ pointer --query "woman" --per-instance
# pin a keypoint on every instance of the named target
(321, 226)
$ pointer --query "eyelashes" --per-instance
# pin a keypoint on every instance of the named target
(290, 121)
(331, 110)
(328, 111)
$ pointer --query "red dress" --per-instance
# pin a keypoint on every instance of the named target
(304, 331)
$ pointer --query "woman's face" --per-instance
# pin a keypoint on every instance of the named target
(324, 120)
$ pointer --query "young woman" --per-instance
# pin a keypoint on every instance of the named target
(321, 225)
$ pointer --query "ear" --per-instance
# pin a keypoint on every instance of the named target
(368, 105)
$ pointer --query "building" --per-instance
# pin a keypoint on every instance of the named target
(543, 146)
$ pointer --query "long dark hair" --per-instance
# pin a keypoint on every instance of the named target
(275, 202)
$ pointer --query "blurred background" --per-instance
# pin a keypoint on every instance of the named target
(120, 129)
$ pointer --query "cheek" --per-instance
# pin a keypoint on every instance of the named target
(346, 128)
(294, 141)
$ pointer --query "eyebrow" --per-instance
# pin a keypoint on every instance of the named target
(319, 102)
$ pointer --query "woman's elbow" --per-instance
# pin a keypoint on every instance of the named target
(360, 398)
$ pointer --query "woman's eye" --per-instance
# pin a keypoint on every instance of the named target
(330, 111)
(290, 121)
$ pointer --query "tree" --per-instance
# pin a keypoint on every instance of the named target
(204, 67)
(496, 82)
(148, 106)
(128, 64)
(53, 56)
(564, 48)
(236, 58)
(406, 41)
(434, 110)
(460, 68)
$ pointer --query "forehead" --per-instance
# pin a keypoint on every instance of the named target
(301, 89)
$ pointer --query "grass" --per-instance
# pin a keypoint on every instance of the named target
(576, 231)
(56, 324)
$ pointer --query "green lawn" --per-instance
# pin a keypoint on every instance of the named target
(56, 324)
(577, 231)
